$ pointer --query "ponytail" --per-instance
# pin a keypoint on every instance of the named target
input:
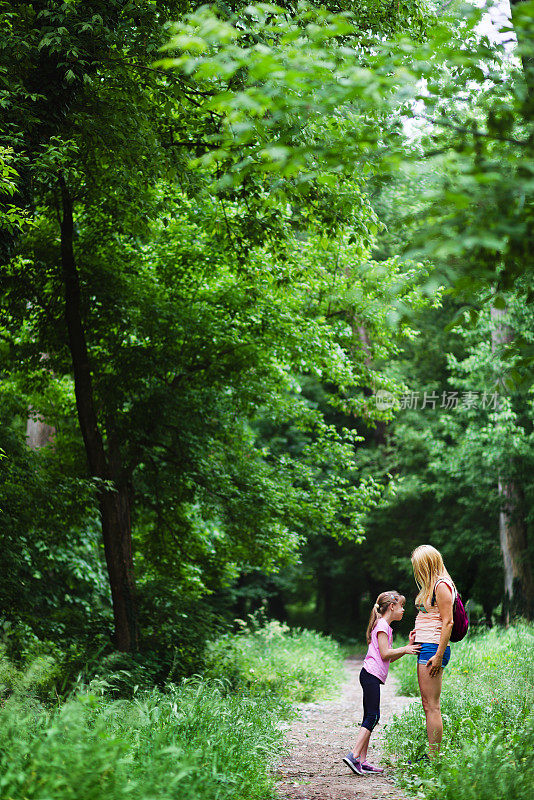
(383, 601)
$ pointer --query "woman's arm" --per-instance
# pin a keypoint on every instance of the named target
(445, 603)
(392, 654)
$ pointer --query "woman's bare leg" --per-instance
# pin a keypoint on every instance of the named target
(430, 689)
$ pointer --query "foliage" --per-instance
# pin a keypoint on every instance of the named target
(307, 95)
(38, 680)
(54, 585)
(488, 692)
(204, 311)
(268, 203)
(194, 740)
(295, 664)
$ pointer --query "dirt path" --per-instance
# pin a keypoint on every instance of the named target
(324, 733)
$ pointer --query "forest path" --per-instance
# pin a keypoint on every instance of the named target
(324, 733)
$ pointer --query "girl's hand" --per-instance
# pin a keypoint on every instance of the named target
(412, 637)
(412, 649)
(434, 665)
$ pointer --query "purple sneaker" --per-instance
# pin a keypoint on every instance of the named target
(370, 767)
(353, 763)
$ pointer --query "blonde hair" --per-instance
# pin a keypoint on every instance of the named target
(428, 566)
(383, 601)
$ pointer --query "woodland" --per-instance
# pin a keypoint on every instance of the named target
(266, 319)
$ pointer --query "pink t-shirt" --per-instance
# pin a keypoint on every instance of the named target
(374, 663)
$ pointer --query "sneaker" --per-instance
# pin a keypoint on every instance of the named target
(353, 763)
(370, 767)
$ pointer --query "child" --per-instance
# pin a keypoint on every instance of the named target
(389, 607)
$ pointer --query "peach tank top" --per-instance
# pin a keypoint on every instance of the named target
(428, 622)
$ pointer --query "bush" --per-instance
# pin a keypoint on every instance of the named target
(487, 700)
(196, 740)
(175, 629)
(38, 679)
(297, 664)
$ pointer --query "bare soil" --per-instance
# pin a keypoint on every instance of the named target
(325, 732)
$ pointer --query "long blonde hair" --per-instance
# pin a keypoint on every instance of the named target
(428, 566)
(383, 601)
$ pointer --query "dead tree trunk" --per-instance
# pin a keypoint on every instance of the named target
(38, 433)
(114, 502)
(518, 582)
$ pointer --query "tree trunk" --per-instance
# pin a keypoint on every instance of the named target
(518, 583)
(116, 531)
(114, 503)
(325, 587)
(38, 433)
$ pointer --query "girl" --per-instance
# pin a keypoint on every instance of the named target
(433, 626)
(389, 607)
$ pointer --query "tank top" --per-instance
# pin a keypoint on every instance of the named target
(428, 622)
(373, 662)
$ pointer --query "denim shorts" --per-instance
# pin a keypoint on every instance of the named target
(428, 649)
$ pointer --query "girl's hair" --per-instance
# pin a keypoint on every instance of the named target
(383, 601)
(428, 566)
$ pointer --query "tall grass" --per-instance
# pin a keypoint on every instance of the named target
(201, 740)
(487, 702)
(297, 664)
(193, 741)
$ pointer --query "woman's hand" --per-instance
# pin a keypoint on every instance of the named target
(434, 665)
(412, 649)
(412, 637)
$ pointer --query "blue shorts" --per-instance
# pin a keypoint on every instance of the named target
(428, 649)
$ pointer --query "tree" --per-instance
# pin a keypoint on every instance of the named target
(181, 318)
(477, 139)
(518, 579)
(65, 122)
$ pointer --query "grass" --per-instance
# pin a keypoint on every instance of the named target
(297, 665)
(205, 738)
(191, 741)
(487, 701)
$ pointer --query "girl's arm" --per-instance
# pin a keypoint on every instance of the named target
(392, 654)
(444, 602)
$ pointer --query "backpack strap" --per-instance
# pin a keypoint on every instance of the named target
(443, 580)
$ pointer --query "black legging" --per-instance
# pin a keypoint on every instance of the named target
(371, 699)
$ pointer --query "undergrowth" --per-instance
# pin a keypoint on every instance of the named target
(194, 740)
(488, 743)
(297, 665)
(208, 738)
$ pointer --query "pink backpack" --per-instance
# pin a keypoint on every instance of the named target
(460, 620)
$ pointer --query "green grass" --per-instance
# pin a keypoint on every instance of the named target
(487, 701)
(191, 741)
(205, 739)
(297, 665)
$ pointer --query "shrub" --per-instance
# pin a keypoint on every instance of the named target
(175, 629)
(37, 678)
(296, 664)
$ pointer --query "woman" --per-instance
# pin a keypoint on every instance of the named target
(433, 626)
